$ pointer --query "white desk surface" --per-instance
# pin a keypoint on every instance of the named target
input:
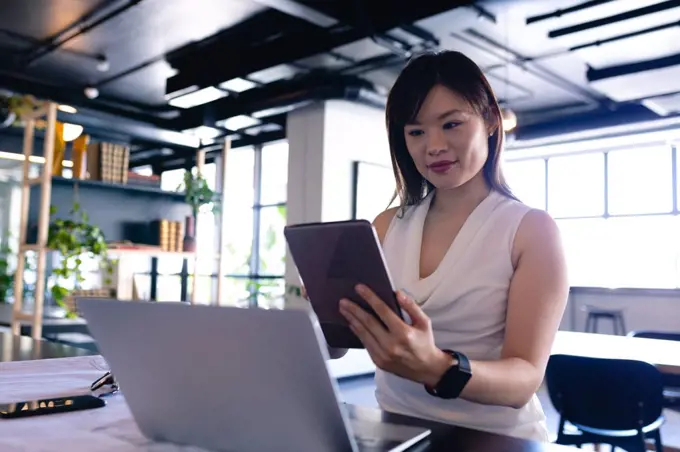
(665, 355)
(103, 429)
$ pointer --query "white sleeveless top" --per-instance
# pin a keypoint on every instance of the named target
(466, 299)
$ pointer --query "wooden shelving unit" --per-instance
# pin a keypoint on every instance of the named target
(41, 216)
(49, 111)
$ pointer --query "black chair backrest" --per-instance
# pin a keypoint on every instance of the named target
(612, 394)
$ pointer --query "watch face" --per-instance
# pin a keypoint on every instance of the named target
(455, 379)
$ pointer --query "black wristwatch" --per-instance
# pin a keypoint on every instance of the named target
(454, 379)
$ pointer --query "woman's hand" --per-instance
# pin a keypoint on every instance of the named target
(405, 350)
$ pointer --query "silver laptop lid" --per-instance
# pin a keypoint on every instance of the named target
(222, 378)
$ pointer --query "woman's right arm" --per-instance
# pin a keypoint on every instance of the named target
(381, 224)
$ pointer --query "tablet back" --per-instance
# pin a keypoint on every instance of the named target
(332, 258)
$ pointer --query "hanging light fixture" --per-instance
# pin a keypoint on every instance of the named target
(509, 119)
(72, 131)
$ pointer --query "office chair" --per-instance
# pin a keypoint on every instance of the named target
(609, 401)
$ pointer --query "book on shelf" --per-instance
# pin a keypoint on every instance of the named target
(108, 162)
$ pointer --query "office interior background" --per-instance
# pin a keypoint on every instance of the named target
(590, 91)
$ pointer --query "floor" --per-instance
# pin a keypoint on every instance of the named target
(360, 391)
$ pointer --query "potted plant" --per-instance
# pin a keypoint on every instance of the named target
(199, 195)
(74, 238)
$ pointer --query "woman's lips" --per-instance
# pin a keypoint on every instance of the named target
(442, 166)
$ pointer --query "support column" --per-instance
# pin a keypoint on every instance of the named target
(324, 142)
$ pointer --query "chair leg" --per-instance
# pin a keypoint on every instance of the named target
(588, 320)
(623, 325)
(657, 441)
(615, 321)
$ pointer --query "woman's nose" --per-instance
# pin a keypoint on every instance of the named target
(436, 142)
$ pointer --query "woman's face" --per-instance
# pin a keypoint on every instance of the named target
(448, 141)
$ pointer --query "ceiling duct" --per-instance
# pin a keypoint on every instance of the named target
(565, 11)
(637, 81)
(627, 15)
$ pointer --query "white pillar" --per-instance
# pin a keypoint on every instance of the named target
(324, 141)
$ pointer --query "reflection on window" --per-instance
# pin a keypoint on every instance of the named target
(576, 185)
(169, 288)
(583, 241)
(640, 181)
(375, 187)
(272, 242)
(239, 190)
(274, 173)
(204, 289)
(642, 251)
(269, 292)
(526, 179)
(236, 292)
(238, 240)
(171, 180)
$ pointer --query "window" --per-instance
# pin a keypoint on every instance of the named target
(640, 181)
(255, 208)
(374, 188)
(274, 175)
(576, 185)
(526, 179)
(272, 242)
(631, 239)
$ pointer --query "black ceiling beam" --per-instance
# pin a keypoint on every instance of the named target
(296, 45)
(315, 86)
(100, 116)
(76, 98)
(632, 14)
(179, 159)
(565, 11)
(632, 68)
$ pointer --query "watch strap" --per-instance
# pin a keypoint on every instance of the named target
(462, 366)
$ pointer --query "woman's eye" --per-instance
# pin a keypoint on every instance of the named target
(450, 125)
(415, 132)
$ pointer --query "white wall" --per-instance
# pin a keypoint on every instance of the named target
(324, 140)
(657, 310)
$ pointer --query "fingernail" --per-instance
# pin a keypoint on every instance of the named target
(360, 288)
(406, 293)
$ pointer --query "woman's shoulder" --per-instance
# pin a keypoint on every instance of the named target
(383, 221)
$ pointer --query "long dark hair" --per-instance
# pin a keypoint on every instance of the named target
(460, 74)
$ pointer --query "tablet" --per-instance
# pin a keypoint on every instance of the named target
(332, 258)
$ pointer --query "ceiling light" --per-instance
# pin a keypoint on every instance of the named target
(200, 97)
(237, 85)
(238, 122)
(102, 63)
(509, 119)
(67, 109)
(91, 92)
(72, 131)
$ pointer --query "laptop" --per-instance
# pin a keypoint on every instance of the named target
(232, 379)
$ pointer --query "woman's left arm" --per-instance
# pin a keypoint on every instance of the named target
(536, 301)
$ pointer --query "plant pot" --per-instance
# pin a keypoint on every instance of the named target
(189, 243)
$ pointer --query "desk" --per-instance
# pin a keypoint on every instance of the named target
(665, 355)
(112, 428)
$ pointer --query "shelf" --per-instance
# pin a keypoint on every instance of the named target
(131, 188)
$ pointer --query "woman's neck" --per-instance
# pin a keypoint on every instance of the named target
(466, 197)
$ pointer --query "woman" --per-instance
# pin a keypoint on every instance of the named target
(483, 276)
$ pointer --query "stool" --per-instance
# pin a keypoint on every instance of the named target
(615, 315)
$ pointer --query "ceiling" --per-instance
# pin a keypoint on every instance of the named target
(180, 74)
